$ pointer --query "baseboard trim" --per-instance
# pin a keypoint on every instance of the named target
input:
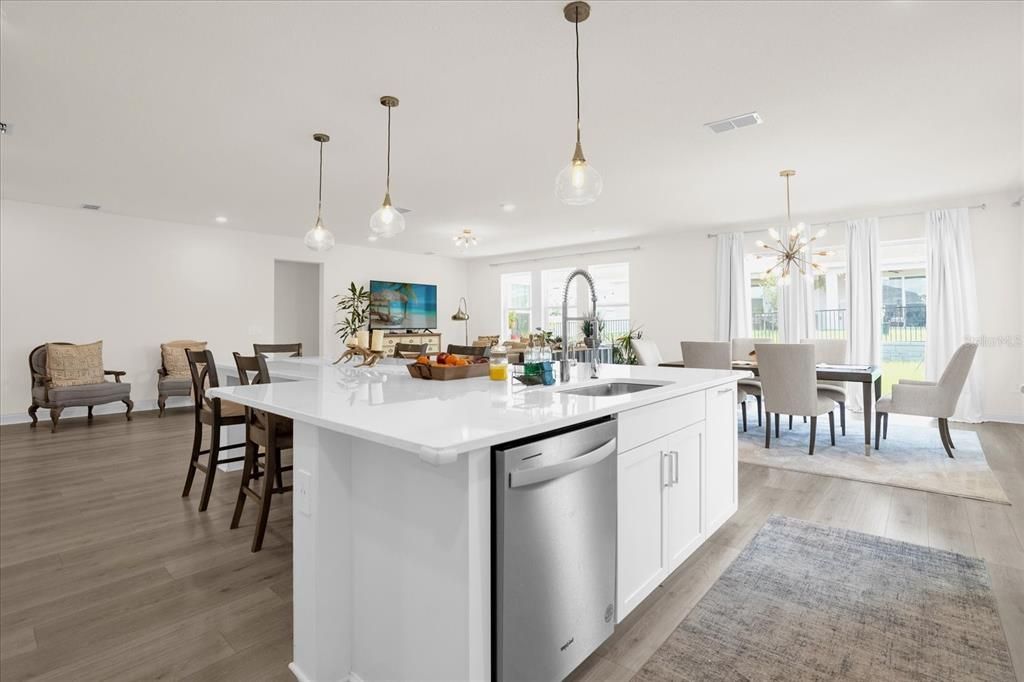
(110, 408)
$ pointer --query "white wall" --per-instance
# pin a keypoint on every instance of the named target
(79, 276)
(672, 280)
(297, 304)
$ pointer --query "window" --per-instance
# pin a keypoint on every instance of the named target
(516, 305)
(904, 310)
(612, 283)
(534, 299)
(552, 282)
(828, 297)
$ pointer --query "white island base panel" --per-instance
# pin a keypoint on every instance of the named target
(385, 546)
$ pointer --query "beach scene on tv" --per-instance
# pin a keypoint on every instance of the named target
(402, 305)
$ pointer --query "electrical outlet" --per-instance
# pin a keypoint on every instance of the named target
(302, 490)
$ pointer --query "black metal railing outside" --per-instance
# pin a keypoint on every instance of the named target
(900, 323)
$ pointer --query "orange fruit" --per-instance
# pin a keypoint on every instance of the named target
(451, 360)
(423, 360)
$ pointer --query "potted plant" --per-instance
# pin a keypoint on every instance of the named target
(591, 329)
(623, 352)
(355, 303)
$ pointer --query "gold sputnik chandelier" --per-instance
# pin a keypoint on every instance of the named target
(794, 252)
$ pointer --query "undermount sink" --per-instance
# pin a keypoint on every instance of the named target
(610, 388)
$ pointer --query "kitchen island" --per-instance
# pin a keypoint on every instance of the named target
(392, 538)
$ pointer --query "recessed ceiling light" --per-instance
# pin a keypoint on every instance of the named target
(507, 207)
(221, 219)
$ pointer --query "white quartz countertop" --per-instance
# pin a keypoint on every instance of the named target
(440, 419)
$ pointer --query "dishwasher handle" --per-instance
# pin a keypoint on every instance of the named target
(517, 479)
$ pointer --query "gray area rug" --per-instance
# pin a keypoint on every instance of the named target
(810, 602)
(912, 456)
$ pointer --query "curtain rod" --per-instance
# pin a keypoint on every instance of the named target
(565, 255)
(712, 235)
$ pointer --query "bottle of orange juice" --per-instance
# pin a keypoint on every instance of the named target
(499, 365)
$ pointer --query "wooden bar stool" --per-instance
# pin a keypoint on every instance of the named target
(215, 413)
(293, 349)
(264, 430)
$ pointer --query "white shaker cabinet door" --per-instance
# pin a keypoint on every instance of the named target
(684, 527)
(642, 563)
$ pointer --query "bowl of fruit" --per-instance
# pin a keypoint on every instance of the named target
(447, 366)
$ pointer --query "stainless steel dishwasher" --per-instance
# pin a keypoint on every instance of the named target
(554, 519)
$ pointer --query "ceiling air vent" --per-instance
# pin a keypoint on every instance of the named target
(91, 207)
(733, 122)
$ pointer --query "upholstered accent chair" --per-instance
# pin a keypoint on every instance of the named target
(789, 384)
(173, 377)
(647, 352)
(928, 398)
(741, 352)
(55, 388)
(713, 355)
(832, 352)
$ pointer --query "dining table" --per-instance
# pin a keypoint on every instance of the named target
(868, 376)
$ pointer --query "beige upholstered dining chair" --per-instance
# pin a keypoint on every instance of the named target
(832, 352)
(928, 398)
(789, 383)
(741, 352)
(713, 355)
(647, 352)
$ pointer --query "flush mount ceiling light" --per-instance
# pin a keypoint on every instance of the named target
(578, 184)
(793, 252)
(221, 219)
(319, 238)
(387, 221)
(465, 240)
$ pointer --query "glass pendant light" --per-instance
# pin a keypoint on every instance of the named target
(578, 184)
(387, 221)
(320, 238)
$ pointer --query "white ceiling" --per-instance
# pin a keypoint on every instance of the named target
(187, 110)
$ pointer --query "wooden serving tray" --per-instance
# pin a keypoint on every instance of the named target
(446, 373)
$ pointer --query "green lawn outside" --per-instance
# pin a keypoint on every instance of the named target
(893, 371)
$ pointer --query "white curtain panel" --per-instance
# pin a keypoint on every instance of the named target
(952, 301)
(732, 290)
(863, 300)
(796, 308)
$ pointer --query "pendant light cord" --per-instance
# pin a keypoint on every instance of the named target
(320, 191)
(387, 181)
(577, 22)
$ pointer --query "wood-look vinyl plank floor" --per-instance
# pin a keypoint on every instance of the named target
(106, 573)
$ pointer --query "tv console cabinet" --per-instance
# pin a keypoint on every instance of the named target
(433, 341)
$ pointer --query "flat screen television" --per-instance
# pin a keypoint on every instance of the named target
(402, 305)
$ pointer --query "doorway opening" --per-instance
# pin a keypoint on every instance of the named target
(297, 304)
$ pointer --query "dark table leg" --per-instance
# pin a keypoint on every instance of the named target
(869, 402)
